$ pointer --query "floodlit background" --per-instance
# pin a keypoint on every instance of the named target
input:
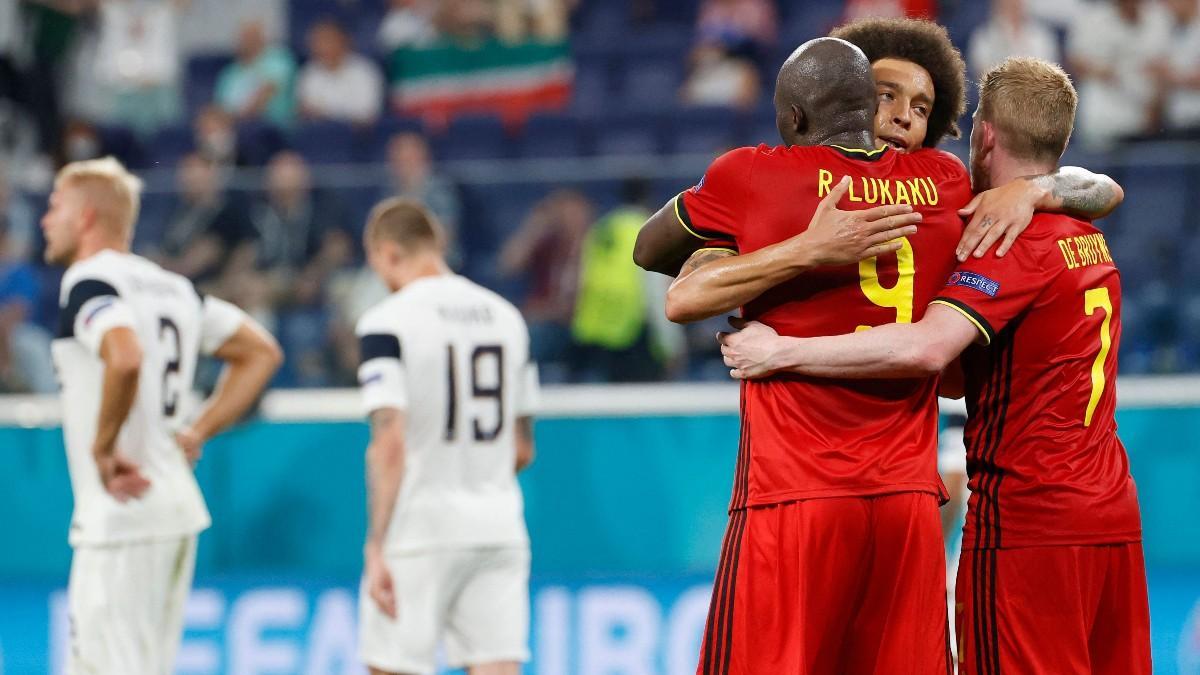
(541, 132)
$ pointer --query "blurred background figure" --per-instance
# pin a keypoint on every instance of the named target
(743, 27)
(546, 251)
(1009, 31)
(413, 175)
(864, 9)
(215, 137)
(25, 364)
(1111, 49)
(619, 328)
(408, 23)
(338, 83)
(258, 84)
(719, 77)
(137, 62)
(209, 231)
(1177, 73)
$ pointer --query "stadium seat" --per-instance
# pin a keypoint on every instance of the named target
(553, 135)
(630, 134)
(325, 142)
(650, 84)
(373, 145)
(473, 137)
(121, 143)
(258, 142)
(709, 130)
(169, 145)
(1160, 194)
(200, 79)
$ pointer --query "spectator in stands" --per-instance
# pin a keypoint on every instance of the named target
(719, 77)
(215, 136)
(746, 27)
(208, 233)
(10, 43)
(50, 29)
(408, 23)
(1010, 31)
(25, 364)
(80, 142)
(137, 63)
(258, 84)
(525, 20)
(300, 234)
(18, 218)
(619, 329)
(1111, 49)
(465, 21)
(546, 251)
(414, 176)
(1178, 73)
(336, 83)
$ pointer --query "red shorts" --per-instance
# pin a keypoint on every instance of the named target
(837, 586)
(1053, 609)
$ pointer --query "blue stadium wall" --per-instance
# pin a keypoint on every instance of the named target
(626, 516)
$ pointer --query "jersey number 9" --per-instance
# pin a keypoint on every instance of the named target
(899, 296)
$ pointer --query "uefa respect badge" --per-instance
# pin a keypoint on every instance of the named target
(988, 287)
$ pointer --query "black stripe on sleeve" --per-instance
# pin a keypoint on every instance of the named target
(378, 346)
(686, 218)
(80, 293)
(983, 323)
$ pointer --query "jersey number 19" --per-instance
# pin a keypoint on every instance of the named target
(487, 389)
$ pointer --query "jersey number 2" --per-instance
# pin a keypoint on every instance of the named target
(482, 357)
(170, 400)
(1093, 299)
(899, 296)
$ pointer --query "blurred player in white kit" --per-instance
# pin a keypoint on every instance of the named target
(447, 382)
(128, 340)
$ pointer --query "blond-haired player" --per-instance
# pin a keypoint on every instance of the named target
(450, 390)
(1051, 578)
(128, 340)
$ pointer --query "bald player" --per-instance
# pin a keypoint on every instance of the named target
(1052, 578)
(128, 340)
(833, 559)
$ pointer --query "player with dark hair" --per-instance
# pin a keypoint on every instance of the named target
(1053, 557)
(833, 560)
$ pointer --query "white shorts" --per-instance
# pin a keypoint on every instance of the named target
(478, 598)
(126, 606)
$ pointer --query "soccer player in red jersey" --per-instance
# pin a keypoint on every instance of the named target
(1052, 579)
(833, 561)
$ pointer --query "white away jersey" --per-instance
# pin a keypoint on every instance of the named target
(173, 324)
(454, 357)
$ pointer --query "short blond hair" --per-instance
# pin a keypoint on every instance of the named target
(404, 221)
(113, 191)
(1032, 104)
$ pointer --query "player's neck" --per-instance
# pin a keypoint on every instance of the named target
(1006, 168)
(429, 265)
(854, 140)
(88, 249)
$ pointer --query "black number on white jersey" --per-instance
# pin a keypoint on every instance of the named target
(170, 398)
(487, 384)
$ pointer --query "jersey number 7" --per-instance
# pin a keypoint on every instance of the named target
(1093, 299)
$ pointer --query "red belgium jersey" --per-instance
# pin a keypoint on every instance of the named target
(810, 437)
(1045, 464)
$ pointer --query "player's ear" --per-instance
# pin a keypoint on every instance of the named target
(988, 140)
(799, 120)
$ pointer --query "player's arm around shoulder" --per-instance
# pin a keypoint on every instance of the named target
(251, 356)
(718, 280)
(1002, 213)
(897, 350)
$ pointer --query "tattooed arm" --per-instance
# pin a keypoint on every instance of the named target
(1005, 211)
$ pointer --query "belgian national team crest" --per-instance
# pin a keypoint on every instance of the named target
(978, 282)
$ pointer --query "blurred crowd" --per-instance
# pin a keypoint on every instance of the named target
(264, 155)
